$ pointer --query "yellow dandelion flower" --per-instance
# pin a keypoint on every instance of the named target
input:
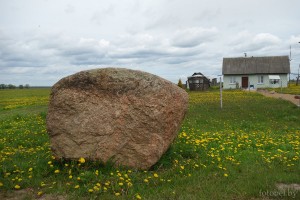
(137, 196)
(146, 180)
(39, 193)
(56, 171)
(121, 184)
(17, 187)
(96, 188)
(70, 177)
(30, 169)
(91, 190)
(155, 175)
(50, 162)
(76, 186)
(117, 194)
(225, 175)
(1, 184)
(81, 160)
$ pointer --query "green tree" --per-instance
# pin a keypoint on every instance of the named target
(180, 83)
(3, 86)
(11, 86)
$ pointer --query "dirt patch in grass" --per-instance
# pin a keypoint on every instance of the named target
(292, 186)
(29, 194)
(288, 97)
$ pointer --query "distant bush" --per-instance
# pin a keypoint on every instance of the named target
(3, 86)
(11, 86)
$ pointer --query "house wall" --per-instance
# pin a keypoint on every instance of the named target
(253, 80)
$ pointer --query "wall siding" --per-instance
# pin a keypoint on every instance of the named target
(253, 80)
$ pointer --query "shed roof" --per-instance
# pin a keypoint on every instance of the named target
(256, 65)
(197, 74)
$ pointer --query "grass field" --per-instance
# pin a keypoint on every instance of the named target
(239, 152)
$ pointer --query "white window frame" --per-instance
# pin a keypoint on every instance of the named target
(274, 79)
(232, 80)
(260, 79)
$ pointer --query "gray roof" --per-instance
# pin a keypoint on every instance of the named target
(256, 65)
(197, 74)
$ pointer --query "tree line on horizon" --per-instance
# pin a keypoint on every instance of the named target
(11, 86)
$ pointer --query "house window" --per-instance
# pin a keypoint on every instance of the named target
(260, 79)
(274, 81)
(232, 80)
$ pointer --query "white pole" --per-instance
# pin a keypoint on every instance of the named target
(249, 85)
(298, 75)
(221, 92)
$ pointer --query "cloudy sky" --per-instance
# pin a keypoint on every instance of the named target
(42, 41)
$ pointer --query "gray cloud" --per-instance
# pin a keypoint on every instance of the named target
(42, 41)
(192, 37)
(247, 42)
(101, 15)
(69, 9)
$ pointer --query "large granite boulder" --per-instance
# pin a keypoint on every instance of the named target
(117, 115)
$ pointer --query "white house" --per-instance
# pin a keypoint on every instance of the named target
(255, 72)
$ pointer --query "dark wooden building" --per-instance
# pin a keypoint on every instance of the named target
(214, 82)
(198, 82)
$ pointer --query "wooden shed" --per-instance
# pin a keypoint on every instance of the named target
(198, 82)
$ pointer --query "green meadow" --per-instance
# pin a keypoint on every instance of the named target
(241, 151)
